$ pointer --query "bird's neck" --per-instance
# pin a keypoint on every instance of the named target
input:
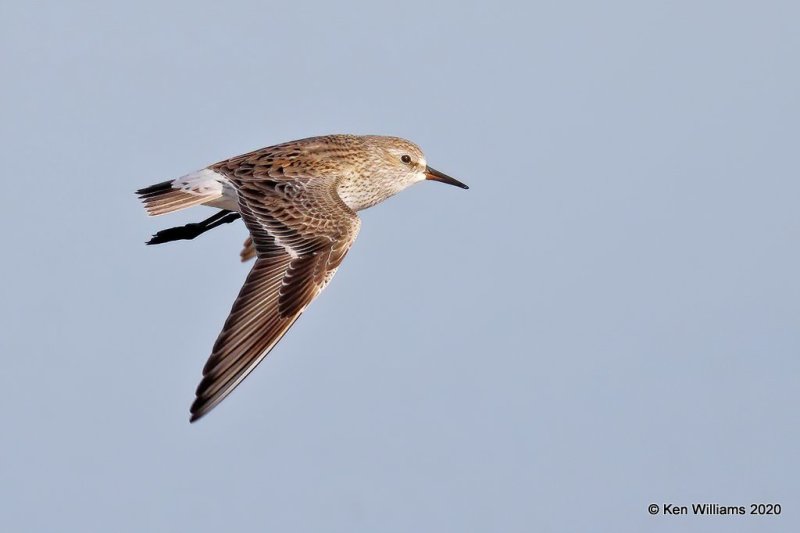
(359, 193)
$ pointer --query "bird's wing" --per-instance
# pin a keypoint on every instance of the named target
(301, 231)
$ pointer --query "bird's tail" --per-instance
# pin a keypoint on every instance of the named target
(200, 187)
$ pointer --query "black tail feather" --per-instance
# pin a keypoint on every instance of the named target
(155, 190)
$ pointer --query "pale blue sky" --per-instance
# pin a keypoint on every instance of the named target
(607, 318)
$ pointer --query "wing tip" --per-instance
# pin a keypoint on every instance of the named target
(199, 409)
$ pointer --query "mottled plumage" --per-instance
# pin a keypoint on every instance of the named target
(299, 202)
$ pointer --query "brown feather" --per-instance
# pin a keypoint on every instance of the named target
(300, 232)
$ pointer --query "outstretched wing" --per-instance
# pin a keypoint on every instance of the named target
(301, 231)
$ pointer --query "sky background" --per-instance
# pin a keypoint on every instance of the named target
(608, 318)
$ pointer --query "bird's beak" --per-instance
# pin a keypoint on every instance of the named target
(435, 175)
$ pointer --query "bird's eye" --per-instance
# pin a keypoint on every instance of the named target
(406, 159)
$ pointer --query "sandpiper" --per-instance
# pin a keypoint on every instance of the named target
(299, 201)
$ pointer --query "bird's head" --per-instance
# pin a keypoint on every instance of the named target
(397, 164)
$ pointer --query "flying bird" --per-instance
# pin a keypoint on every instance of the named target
(299, 202)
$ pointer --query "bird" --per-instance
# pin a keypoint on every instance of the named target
(299, 201)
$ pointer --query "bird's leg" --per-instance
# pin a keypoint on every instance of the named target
(190, 231)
